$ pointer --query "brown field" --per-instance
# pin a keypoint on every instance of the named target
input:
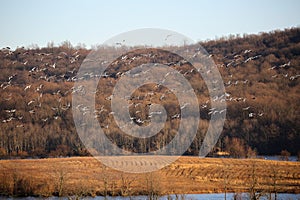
(87, 176)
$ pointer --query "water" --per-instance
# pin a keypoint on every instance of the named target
(291, 158)
(214, 196)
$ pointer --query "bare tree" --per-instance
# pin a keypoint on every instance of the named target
(225, 175)
(126, 185)
(254, 191)
(61, 176)
(152, 186)
(105, 177)
(274, 179)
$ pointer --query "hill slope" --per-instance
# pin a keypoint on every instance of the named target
(261, 75)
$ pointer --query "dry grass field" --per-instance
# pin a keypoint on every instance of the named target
(87, 176)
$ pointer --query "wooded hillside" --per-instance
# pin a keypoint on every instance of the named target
(261, 75)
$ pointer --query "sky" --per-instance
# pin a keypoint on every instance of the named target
(28, 22)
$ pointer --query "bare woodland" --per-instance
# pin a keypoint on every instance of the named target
(260, 73)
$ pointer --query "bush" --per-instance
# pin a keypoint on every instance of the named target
(284, 155)
(16, 185)
(23, 187)
(5, 185)
(3, 153)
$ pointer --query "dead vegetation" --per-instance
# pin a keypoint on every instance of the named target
(86, 176)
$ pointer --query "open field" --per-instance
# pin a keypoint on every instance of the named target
(87, 176)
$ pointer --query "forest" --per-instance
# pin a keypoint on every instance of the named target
(260, 73)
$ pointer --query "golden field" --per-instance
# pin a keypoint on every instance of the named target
(87, 176)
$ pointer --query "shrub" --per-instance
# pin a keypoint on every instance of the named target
(284, 155)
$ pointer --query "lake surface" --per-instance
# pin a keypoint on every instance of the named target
(219, 196)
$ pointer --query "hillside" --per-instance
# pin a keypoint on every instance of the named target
(261, 75)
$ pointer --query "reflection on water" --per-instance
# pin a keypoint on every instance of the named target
(219, 196)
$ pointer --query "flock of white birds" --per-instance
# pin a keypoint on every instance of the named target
(45, 64)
